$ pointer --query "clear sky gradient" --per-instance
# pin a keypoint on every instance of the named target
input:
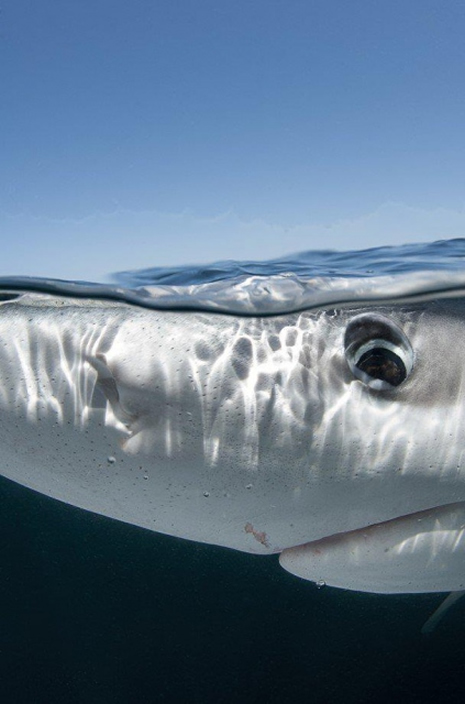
(154, 132)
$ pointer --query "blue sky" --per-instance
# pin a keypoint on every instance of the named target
(146, 133)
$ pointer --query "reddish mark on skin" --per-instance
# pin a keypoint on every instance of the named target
(260, 537)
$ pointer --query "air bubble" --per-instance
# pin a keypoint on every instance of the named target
(320, 584)
(206, 494)
(111, 460)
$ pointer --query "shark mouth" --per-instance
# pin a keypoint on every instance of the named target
(419, 552)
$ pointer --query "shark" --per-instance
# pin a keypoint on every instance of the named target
(332, 437)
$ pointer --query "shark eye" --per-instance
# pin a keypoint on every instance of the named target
(377, 351)
(379, 361)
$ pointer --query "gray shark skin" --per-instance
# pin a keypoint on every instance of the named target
(333, 437)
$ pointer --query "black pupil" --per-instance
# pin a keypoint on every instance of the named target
(380, 363)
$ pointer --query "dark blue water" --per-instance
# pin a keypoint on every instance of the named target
(99, 611)
(444, 255)
(94, 611)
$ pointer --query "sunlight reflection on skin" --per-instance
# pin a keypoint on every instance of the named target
(248, 432)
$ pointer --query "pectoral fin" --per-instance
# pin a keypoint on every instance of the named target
(434, 619)
(421, 552)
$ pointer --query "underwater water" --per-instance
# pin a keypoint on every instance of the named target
(96, 610)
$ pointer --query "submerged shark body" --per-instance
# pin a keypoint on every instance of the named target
(333, 437)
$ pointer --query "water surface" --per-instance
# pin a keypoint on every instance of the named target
(289, 284)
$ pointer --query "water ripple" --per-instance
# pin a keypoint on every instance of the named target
(278, 286)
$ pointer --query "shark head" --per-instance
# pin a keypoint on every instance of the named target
(331, 436)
